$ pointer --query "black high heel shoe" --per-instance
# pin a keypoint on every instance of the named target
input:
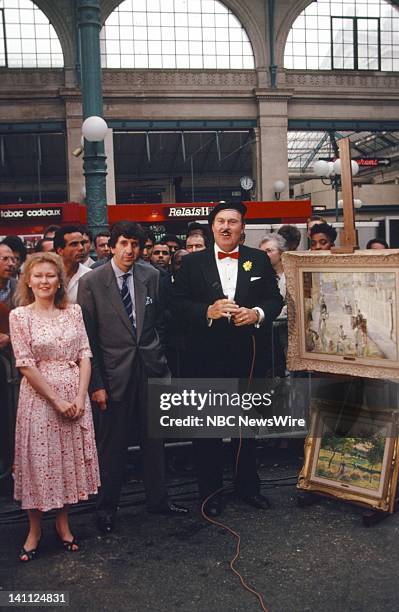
(68, 545)
(30, 555)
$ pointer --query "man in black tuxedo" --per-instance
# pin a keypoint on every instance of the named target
(227, 296)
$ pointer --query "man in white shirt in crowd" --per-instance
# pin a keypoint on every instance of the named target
(88, 239)
(69, 244)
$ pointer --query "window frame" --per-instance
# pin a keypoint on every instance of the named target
(355, 21)
(52, 55)
(4, 39)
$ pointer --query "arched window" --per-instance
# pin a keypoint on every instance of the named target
(345, 35)
(174, 34)
(27, 39)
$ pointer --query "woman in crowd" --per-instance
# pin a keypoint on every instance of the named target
(322, 237)
(311, 221)
(274, 246)
(55, 455)
(377, 243)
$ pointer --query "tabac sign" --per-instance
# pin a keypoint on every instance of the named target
(10, 214)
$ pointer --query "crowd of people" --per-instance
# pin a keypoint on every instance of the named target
(86, 334)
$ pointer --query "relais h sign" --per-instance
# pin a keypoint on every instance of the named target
(189, 211)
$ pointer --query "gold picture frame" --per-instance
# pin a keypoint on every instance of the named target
(360, 465)
(343, 312)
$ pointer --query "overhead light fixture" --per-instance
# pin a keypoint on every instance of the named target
(330, 174)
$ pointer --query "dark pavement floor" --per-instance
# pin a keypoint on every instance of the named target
(315, 559)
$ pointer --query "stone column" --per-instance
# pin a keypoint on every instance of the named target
(256, 164)
(75, 178)
(109, 152)
(273, 124)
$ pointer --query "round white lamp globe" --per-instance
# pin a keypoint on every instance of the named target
(355, 167)
(337, 166)
(356, 203)
(330, 168)
(278, 186)
(321, 168)
(94, 129)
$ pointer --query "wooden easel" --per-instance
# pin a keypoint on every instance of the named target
(348, 241)
(348, 237)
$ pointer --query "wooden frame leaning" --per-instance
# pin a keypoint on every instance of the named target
(359, 465)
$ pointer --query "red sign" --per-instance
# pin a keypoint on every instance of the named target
(373, 162)
(33, 218)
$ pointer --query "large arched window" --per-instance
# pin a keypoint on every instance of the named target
(174, 34)
(27, 39)
(345, 35)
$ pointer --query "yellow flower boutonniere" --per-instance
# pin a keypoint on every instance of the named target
(247, 265)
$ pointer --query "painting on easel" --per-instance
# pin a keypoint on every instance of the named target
(345, 317)
(351, 314)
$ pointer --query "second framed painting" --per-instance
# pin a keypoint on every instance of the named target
(352, 455)
(343, 312)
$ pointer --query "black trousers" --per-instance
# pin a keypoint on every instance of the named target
(210, 460)
(115, 427)
(237, 362)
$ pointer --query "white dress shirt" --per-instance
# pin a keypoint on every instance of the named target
(130, 283)
(89, 262)
(228, 273)
(72, 288)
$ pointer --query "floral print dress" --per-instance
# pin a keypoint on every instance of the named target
(55, 458)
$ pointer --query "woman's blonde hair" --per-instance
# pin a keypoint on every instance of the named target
(24, 294)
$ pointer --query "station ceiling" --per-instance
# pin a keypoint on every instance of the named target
(210, 156)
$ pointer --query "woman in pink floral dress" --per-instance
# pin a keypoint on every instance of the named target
(55, 454)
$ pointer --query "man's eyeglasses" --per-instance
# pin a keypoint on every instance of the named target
(10, 258)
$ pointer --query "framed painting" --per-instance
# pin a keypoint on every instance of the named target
(352, 455)
(343, 312)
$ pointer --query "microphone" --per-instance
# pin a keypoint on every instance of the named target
(217, 285)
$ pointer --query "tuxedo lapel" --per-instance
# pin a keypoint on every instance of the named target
(243, 279)
(211, 274)
(114, 296)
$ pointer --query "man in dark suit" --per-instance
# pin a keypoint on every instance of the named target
(8, 285)
(227, 296)
(120, 308)
(8, 391)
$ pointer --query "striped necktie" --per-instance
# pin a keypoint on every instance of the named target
(127, 299)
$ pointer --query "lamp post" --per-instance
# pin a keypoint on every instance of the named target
(330, 174)
(94, 164)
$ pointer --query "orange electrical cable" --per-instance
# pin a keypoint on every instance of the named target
(226, 527)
